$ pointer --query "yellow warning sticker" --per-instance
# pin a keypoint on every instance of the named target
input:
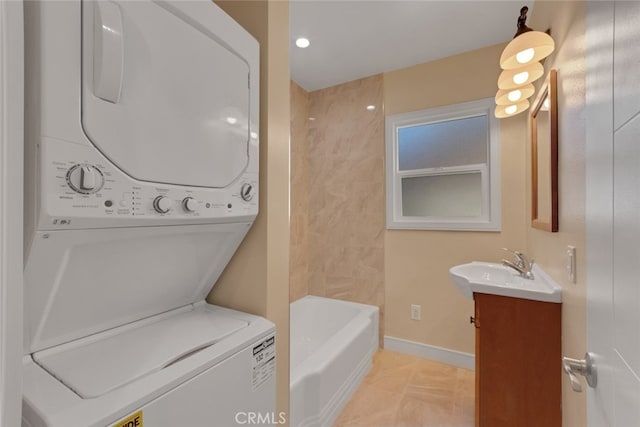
(133, 420)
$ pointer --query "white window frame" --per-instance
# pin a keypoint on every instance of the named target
(491, 218)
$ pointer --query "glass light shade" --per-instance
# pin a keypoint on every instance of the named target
(525, 56)
(513, 79)
(507, 97)
(527, 48)
(504, 111)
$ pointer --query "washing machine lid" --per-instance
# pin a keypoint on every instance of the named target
(80, 283)
(97, 365)
(163, 97)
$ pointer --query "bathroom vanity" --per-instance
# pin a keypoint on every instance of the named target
(518, 362)
(518, 345)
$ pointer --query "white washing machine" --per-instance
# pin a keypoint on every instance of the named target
(141, 181)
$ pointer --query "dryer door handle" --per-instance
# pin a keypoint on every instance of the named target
(108, 51)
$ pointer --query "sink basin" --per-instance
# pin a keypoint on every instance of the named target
(496, 279)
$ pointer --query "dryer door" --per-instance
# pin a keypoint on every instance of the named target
(162, 97)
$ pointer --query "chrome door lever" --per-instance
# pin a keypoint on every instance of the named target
(585, 367)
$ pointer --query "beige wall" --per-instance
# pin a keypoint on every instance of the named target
(299, 262)
(567, 23)
(257, 278)
(346, 193)
(417, 261)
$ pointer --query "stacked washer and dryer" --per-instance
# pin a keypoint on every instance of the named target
(141, 181)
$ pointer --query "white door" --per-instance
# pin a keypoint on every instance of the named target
(11, 149)
(613, 211)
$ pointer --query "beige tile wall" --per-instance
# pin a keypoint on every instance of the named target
(346, 192)
(299, 260)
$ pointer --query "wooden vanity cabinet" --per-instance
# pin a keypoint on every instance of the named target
(518, 362)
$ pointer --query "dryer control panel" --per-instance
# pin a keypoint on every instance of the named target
(81, 186)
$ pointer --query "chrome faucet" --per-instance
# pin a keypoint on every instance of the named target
(521, 264)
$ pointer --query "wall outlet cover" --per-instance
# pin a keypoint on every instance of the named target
(415, 312)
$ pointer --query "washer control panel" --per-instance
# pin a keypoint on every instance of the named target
(83, 185)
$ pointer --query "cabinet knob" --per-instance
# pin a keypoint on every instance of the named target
(472, 320)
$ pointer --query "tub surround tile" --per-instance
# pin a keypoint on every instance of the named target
(337, 194)
(418, 392)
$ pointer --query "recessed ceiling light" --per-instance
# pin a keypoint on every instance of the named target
(232, 120)
(371, 107)
(302, 42)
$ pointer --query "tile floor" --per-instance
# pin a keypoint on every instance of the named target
(404, 390)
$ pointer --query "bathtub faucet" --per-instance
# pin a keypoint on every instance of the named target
(521, 264)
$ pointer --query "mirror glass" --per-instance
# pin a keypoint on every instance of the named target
(544, 157)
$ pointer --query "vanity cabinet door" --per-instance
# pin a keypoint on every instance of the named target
(518, 362)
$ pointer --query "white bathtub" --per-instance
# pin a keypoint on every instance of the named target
(332, 344)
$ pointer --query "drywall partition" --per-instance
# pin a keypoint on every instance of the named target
(257, 278)
(567, 21)
(417, 261)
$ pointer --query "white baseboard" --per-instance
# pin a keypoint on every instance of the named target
(439, 354)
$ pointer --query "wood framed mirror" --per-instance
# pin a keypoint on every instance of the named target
(544, 156)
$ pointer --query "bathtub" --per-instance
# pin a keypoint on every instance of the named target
(332, 344)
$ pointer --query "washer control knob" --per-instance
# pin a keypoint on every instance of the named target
(162, 204)
(85, 179)
(189, 204)
(247, 191)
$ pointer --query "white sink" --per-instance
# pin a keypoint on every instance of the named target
(496, 279)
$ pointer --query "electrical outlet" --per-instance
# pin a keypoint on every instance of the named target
(571, 263)
(415, 311)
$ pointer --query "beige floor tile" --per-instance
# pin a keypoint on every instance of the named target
(417, 412)
(404, 390)
(369, 403)
(385, 419)
(391, 371)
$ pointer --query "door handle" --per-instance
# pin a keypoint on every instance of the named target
(585, 367)
(107, 51)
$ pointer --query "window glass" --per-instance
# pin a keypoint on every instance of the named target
(455, 195)
(448, 143)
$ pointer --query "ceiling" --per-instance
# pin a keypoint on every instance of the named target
(351, 39)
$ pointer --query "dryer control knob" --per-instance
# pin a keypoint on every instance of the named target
(247, 191)
(162, 204)
(85, 179)
(189, 204)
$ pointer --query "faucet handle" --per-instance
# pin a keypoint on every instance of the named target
(520, 258)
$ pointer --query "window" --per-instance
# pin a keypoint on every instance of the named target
(443, 168)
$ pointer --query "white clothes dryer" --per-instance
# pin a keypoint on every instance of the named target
(141, 181)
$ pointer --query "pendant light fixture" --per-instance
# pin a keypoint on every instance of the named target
(521, 66)
(527, 45)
